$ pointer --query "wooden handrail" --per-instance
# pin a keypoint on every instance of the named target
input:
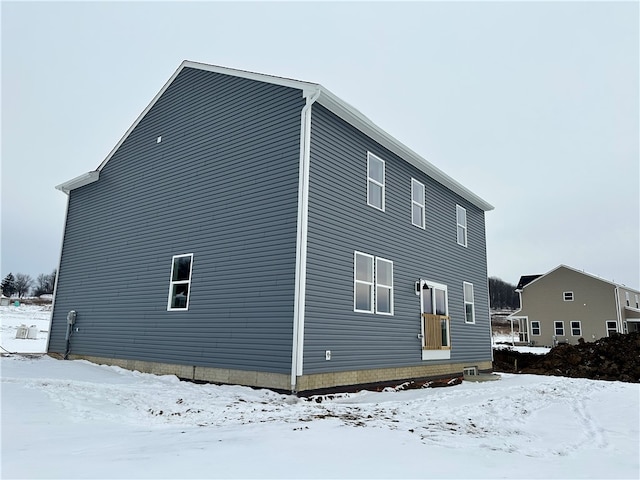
(433, 332)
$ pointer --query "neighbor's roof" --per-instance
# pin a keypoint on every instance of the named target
(327, 100)
(526, 280)
(529, 279)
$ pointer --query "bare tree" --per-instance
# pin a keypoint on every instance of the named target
(44, 284)
(22, 283)
(502, 294)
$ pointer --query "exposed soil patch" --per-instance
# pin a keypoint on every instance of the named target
(611, 358)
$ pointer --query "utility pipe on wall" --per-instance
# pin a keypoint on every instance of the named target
(301, 239)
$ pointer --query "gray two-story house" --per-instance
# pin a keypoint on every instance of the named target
(258, 230)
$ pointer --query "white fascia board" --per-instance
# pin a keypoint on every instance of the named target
(366, 126)
(259, 77)
(80, 181)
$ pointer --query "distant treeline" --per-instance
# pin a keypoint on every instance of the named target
(21, 284)
(502, 295)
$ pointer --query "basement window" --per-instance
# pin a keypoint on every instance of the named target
(470, 371)
(180, 282)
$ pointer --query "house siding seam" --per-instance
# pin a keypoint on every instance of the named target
(222, 184)
(341, 222)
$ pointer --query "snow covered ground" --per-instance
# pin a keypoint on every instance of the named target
(75, 419)
(507, 341)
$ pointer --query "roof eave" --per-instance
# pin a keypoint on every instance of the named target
(354, 117)
(79, 181)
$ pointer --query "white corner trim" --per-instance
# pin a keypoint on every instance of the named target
(301, 241)
(79, 181)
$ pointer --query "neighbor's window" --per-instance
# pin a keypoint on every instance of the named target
(372, 285)
(576, 329)
(626, 295)
(417, 203)
(375, 181)
(384, 286)
(469, 310)
(535, 327)
(637, 302)
(461, 221)
(611, 327)
(179, 286)
(568, 296)
(559, 327)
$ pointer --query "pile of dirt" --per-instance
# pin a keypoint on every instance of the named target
(612, 358)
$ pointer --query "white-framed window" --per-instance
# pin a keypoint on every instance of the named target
(559, 327)
(469, 304)
(461, 222)
(576, 328)
(384, 286)
(626, 297)
(470, 371)
(180, 282)
(372, 286)
(375, 181)
(567, 296)
(612, 327)
(637, 301)
(363, 282)
(535, 327)
(417, 203)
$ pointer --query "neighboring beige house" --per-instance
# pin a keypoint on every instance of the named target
(566, 304)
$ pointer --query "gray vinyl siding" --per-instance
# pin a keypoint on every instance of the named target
(222, 185)
(341, 222)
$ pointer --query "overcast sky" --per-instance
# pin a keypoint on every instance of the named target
(533, 106)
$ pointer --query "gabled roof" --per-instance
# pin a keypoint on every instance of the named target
(526, 280)
(327, 100)
(535, 278)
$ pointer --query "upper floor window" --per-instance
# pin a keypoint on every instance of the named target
(626, 297)
(180, 282)
(469, 308)
(559, 327)
(461, 221)
(417, 203)
(637, 302)
(535, 327)
(375, 181)
(568, 296)
(372, 286)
